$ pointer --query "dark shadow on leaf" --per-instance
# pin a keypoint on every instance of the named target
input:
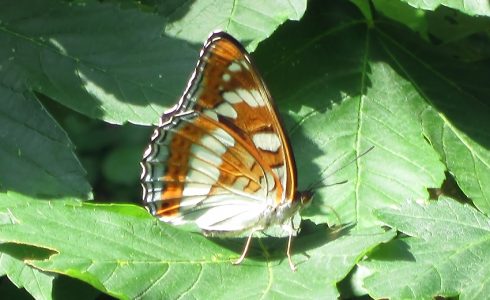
(453, 89)
(135, 68)
(65, 287)
(9, 290)
(316, 62)
(395, 250)
(26, 252)
(106, 58)
(450, 189)
(173, 10)
(262, 249)
(310, 67)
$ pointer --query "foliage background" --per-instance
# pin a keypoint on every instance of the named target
(78, 80)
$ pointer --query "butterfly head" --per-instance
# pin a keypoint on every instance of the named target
(304, 197)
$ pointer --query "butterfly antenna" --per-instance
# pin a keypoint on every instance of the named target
(319, 183)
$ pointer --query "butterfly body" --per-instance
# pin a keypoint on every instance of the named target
(220, 158)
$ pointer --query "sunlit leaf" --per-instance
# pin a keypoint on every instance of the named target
(122, 250)
(445, 255)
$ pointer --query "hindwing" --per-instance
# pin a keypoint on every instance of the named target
(220, 157)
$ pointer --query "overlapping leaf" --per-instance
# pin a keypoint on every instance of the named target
(36, 156)
(128, 254)
(38, 283)
(465, 157)
(445, 255)
(113, 63)
(98, 59)
(252, 21)
(471, 7)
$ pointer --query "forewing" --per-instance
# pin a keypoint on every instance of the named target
(221, 156)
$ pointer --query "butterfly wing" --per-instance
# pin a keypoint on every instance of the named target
(220, 158)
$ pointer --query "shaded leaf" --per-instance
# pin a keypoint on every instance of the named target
(36, 155)
(97, 59)
(113, 63)
(451, 25)
(455, 33)
(399, 11)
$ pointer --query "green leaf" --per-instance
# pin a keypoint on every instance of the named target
(470, 7)
(251, 21)
(449, 25)
(98, 59)
(122, 250)
(36, 155)
(38, 283)
(352, 96)
(468, 160)
(365, 8)
(399, 11)
(454, 31)
(112, 63)
(344, 81)
(447, 254)
(459, 35)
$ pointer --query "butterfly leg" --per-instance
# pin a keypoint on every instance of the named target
(288, 253)
(245, 250)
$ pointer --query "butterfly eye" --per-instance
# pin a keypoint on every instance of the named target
(305, 197)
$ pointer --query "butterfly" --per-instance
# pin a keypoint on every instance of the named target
(220, 158)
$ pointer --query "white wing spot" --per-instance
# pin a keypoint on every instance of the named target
(212, 114)
(196, 176)
(206, 155)
(268, 141)
(234, 67)
(195, 189)
(202, 172)
(224, 137)
(213, 143)
(240, 183)
(279, 171)
(232, 97)
(226, 110)
(258, 97)
(226, 77)
(248, 97)
(271, 184)
(191, 197)
(251, 97)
